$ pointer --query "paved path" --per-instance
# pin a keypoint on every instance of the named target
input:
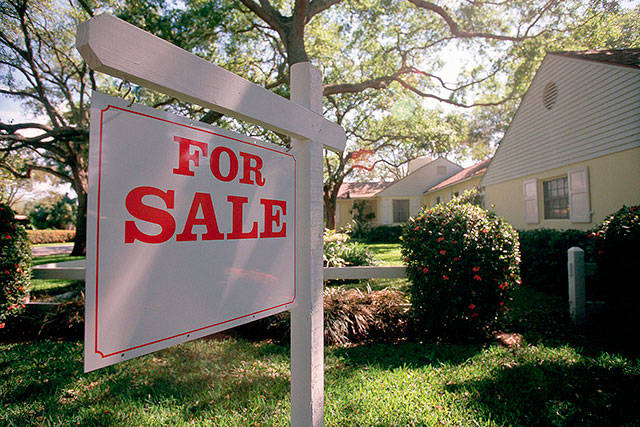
(52, 250)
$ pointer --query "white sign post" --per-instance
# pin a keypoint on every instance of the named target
(115, 47)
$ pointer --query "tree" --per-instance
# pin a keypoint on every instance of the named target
(377, 54)
(40, 67)
(54, 212)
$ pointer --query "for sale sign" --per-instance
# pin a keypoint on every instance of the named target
(191, 230)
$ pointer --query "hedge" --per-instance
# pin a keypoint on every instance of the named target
(384, 234)
(50, 236)
(543, 254)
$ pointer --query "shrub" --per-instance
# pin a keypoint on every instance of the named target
(355, 316)
(462, 262)
(340, 251)
(384, 234)
(54, 212)
(616, 244)
(50, 236)
(544, 258)
(15, 265)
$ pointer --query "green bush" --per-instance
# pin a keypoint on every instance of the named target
(462, 262)
(616, 245)
(50, 236)
(544, 258)
(15, 265)
(384, 234)
(340, 251)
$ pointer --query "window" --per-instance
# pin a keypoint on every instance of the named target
(400, 210)
(556, 198)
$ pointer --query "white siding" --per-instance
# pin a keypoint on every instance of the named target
(597, 112)
(414, 184)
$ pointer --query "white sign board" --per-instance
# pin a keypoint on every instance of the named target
(191, 230)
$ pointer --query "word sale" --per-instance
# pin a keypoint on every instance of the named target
(245, 169)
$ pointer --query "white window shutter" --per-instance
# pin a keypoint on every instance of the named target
(579, 205)
(530, 189)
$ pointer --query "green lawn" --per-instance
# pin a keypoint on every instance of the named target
(387, 253)
(236, 382)
(47, 259)
(557, 377)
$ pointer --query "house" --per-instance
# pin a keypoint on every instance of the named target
(393, 202)
(467, 179)
(571, 155)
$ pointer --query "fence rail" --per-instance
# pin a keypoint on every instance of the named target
(75, 270)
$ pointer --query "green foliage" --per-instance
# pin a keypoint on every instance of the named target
(15, 265)
(470, 196)
(384, 234)
(544, 257)
(617, 252)
(360, 225)
(50, 236)
(462, 262)
(56, 213)
(340, 251)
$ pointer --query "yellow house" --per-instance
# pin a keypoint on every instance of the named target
(467, 179)
(392, 203)
(571, 155)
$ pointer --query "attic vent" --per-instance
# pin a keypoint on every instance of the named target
(550, 95)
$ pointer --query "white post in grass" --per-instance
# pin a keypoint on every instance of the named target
(307, 332)
(577, 295)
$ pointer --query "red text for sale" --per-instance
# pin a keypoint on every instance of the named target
(224, 165)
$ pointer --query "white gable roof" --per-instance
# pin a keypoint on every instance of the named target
(422, 178)
(596, 112)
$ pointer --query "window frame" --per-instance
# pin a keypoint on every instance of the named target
(556, 206)
(396, 212)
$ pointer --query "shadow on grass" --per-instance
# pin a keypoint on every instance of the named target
(411, 355)
(43, 382)
(550, 393)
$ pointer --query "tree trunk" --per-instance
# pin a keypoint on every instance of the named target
(80, 242)
(330, 210)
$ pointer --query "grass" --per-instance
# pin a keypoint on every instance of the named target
(387, 253)
(557, 377)
(236, 382)
(47, 259)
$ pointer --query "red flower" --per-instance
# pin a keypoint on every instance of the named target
(476, 269)
(425, 270)
(600, 252)
(477, 277)
(474, 315)
(2, 325)
(443, 252)
(454, 242)
(445, 277)
(417, 227)
(457, 258)
(472, 306)
(406, 259)
(440, 239)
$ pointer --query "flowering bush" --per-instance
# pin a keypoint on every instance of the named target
(462, 262)
(616, 247)
(15, 265)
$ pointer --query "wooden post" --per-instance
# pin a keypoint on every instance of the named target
(577, 295)
(307, 327)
